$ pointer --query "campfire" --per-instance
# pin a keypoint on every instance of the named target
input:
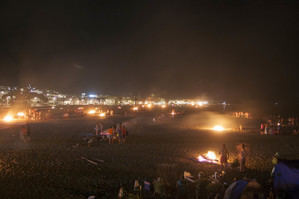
(209, 157)
(218, 128)
(8, 118)
(91, 112)
(12, 117)
(102, 114)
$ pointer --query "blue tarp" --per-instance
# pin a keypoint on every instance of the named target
(286, 179)
(234, 191)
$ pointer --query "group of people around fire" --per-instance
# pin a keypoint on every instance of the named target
(242, 156)
(202, 186)
(116, 132)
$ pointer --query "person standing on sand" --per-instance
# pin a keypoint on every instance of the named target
(266, 129)
(242, 157)
(110, 136)
(262, 128)
(124, 133)
(119, 133)
(241, 128)
(25, 133)
(97, 129)
(224, 155)
(114, 133)
(100, 127)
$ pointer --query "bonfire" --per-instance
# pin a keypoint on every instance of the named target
(209, 157)
(8, 118)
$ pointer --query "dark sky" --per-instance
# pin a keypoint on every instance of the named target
(231, 51)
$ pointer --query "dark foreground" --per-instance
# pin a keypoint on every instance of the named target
(53, 164)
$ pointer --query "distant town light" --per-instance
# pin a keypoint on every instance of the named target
(20, 114)
(92, 95)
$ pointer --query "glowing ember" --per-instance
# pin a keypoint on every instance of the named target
(218, 128)
(8, 118)
(102, 114)
(91, 112)
(209, 157)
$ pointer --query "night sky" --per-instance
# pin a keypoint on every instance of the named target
(233, 51)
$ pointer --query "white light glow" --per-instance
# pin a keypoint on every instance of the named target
(218, 128)
(102, 114)
(8, 118)
(91, 112)
(20, 114)
(209, 157)
(172, 113)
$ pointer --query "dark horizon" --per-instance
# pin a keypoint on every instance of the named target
(230, 51)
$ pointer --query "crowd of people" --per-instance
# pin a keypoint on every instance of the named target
(203, 185)
(219, 184)
(280, 125)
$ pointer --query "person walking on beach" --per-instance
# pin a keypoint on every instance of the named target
(242, 157)
(224, 155)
